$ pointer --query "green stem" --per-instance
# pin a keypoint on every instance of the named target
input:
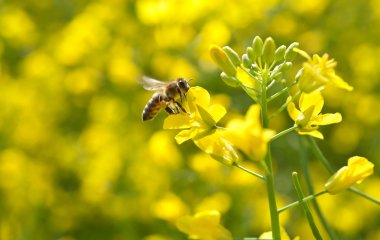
(275, 222)
(304, 160)
(305, 207)
(270, 85)
(285, 104)
(280, 134)
(370, 198)
(277, 94)
(305, 199)
(318, 153)
(248, 171)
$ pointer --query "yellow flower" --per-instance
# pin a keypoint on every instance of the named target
(204, 225)
(199, 124)
(356, 170)
(283, 233)
(318, 72)
(248, 134)
(308, 118)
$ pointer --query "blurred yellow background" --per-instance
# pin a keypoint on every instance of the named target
(76, 160)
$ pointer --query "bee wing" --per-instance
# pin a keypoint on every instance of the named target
(151, 84)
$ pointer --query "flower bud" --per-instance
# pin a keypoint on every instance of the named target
(246, 61)
(357, 169)
(277, 76)
(269, 49)
(232, 55)
(279, 54)
(257, 45)
(255, 67)
(290, 55)
(229, 80)
(283, 67)
(222, 60)
(251, 54)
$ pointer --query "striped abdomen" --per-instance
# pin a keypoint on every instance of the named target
(154, 105)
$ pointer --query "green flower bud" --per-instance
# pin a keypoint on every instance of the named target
(257, 45)
(277, 76)
(230, 81)
(283, 67)
(279, 54)
(269, 49)
(232, 55)
(286, 66)
(255, 68)
(290, 55)
(251, 54)
(222, 60)
(246, 61)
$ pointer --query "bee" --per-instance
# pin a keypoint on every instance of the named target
(165, 96)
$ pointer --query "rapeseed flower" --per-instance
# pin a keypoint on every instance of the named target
(308, 117)
(248, 135)
(317, 72)
(284, 235)
(199, 124)
(204, 225)
(357, 169)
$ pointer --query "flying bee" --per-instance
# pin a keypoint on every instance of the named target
(165, 96)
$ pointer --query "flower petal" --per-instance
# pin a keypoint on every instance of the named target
(197, 96)
(204, 225)
(252, 116)
(293, 111)
(357, 169)
(314, 133)
(311, 99)
(217, 111)
(185, 135)
(328, 118)
(245, 78)
(360, 167)
(206, 116)
(339, 82)
(177, 121)
(218, 148)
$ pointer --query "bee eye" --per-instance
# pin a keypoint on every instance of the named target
(181, 83)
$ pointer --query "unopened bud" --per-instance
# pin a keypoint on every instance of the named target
(269, 49)
(222, 60)
(279, 53)
(246, 61)
(257, 45)
(232, 55)
(229, 80)
(290, 55)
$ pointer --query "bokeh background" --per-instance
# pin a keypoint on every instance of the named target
(77, 162)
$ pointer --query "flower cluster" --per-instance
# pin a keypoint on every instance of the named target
(222, 143)
(261, 67)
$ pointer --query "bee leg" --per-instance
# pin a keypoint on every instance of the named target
(170, 110)
(180, 106)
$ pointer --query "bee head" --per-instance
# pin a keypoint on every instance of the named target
(183, 85)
